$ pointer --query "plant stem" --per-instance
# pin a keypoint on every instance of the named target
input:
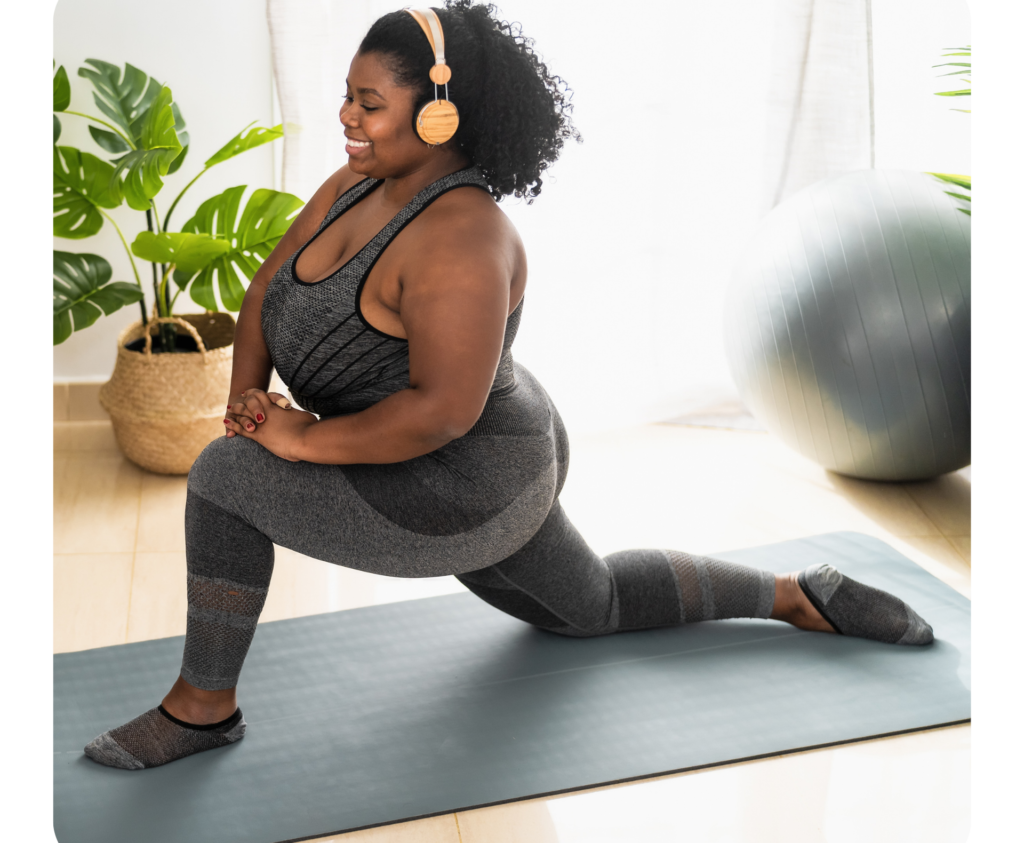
(163, 284)
(156, 215)
(156, 286)
(114, 129)
(168, 333)
(174, 204)
(131, 258)
(165, 299)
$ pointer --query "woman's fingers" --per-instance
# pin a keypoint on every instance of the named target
(250, 408)
(257, 403)
(235, 428)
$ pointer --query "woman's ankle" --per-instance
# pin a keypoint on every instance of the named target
(793, 607)
(194, 705)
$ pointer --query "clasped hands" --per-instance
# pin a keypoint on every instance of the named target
(270, 419)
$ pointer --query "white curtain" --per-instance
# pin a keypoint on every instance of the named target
(697, 117)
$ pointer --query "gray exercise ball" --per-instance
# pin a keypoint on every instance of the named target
(848, 325)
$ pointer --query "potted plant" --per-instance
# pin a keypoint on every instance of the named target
(167, 392)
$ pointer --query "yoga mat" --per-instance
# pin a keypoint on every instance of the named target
(388, 713)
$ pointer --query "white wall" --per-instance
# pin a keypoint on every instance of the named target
(650, 208)
(215, 56)
(914, 129)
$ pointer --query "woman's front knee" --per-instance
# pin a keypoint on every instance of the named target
(221, 467)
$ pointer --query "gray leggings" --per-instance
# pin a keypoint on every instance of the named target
(242, 500)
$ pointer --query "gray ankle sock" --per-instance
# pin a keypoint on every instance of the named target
(155, 738)
(853, 608)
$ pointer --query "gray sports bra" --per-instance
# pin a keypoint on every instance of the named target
(332, 360)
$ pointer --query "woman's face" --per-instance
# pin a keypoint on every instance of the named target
(378, 122)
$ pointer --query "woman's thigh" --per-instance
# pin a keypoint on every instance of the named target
(387, 524)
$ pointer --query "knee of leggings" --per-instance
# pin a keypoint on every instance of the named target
(218, 471)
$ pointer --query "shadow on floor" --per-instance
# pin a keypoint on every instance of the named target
(921, 512)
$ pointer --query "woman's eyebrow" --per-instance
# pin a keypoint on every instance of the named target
(366, 91)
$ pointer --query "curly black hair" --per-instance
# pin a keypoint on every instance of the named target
(514, 115)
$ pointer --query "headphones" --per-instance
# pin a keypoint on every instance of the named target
(438, 120)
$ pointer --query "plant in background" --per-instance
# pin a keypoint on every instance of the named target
(965, 71)
(145, 133)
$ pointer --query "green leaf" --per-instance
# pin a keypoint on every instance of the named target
(953, 64)
(963, 196)
(963, 93)
(245, 140)
(183, 138)
(265, 219)
(61, 90)
(114, 144)
(158, 129)
(965, 211)
(143, 168)
(954, 178)
(954, 73)
(124, 100)
(56, 128)
(187, 251)
(82, 183)
(81, 292)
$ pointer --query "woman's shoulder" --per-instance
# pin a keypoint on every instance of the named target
(468, 214)
(463, 233)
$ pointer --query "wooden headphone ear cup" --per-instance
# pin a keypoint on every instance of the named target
(437, 122)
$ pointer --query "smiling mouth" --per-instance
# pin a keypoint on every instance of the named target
(358, 144)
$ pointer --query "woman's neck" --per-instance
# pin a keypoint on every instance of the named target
(398, 191)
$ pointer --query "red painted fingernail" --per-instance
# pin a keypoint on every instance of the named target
(259, 417)
(249, 427)
(229, 406)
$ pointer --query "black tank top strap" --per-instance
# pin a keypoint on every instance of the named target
(347, 199)
(419, 203)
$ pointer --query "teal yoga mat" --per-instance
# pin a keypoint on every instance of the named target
(388, 713)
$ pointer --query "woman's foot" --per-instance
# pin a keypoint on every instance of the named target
(821, 599)
(188, 721)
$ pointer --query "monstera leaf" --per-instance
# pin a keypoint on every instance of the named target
(82, 183)
(61, 97)
(126, 98)
(245, 140)
(179, 127)
(188, 252)
(61, 90)
(158, 146)
(109, 141)
(265, 219)
(81, 293)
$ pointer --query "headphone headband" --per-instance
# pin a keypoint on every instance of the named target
(437, 121)
(429, 22)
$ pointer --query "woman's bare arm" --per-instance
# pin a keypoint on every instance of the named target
(454, 305)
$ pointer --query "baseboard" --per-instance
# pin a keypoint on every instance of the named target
(78, 401)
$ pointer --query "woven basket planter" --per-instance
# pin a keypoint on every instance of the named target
(166, 408)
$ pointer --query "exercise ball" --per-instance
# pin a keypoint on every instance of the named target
(848, 325)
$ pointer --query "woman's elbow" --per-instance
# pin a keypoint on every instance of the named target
(449, 421)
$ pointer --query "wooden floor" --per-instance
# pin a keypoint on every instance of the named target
(119, 576)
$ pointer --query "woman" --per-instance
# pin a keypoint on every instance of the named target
(389, 308)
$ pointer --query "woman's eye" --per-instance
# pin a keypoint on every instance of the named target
(367, 108)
